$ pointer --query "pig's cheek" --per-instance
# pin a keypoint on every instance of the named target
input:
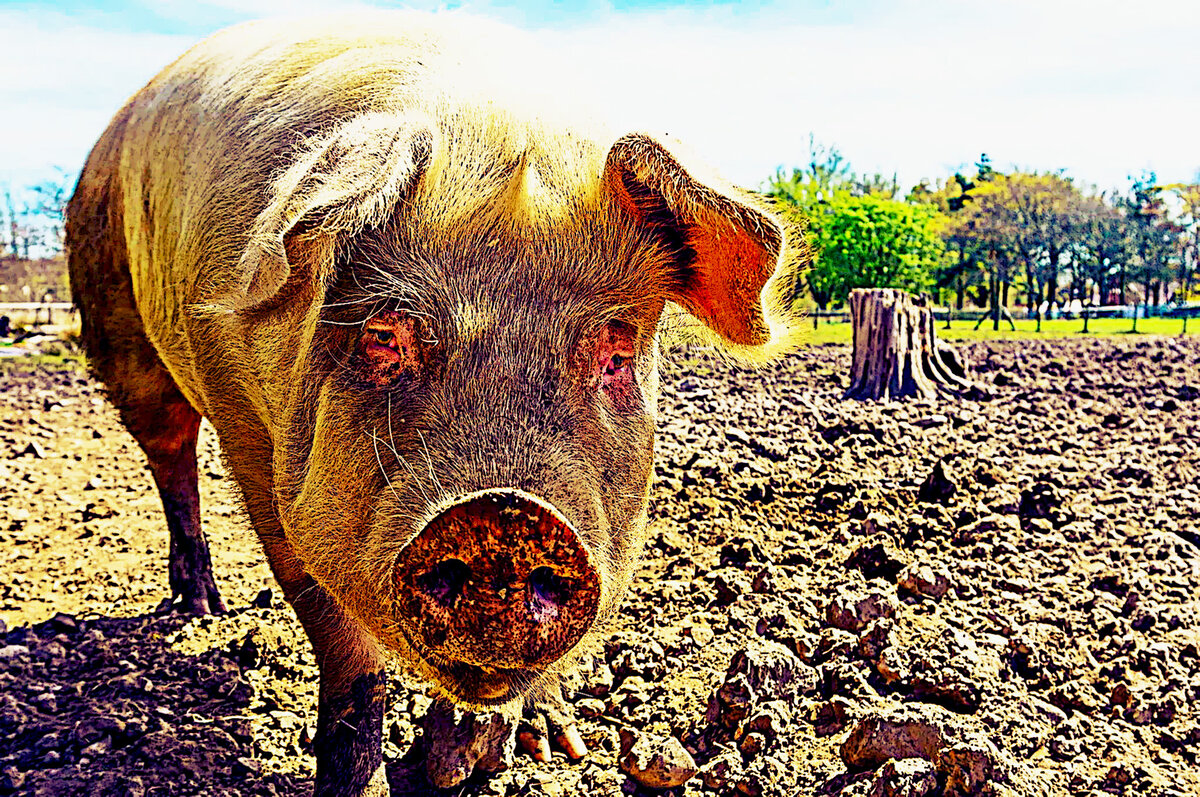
(622, 389)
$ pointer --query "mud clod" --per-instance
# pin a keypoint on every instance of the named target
(922, 580)
(458, 742)
(851, 610)
(655, 762)
(961, 754)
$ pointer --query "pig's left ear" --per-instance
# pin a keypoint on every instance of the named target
(725, 249)
(351, 179)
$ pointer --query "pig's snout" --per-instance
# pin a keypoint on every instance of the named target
(498, 580)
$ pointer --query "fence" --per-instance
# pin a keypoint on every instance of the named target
(1104, 311)
(36, 313)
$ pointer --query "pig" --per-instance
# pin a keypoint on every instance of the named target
(426, 327)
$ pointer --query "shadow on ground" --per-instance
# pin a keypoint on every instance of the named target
(110, 706)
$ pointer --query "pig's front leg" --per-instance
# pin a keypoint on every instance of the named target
(353, 696)
(353, 689)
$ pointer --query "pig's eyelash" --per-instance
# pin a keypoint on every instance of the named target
(432, 341)
(402, 306)
(367, 295)
(351, 301)
(378, 289)
(341, 323)
(388, 284)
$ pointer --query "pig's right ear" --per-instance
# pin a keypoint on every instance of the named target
(351, 179)
(725, 249)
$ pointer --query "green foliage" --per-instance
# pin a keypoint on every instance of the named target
(994, 236)
(1152, 232)
(872, 242)
(861, 236)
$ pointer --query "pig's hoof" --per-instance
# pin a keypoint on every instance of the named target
(548, 720)
(458, 742)
(198, 597)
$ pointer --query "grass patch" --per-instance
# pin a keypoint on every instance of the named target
(33, 362)
(840, 332)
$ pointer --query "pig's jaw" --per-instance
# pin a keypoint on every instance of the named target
(485, 686)
(476, 686)
(479, 687)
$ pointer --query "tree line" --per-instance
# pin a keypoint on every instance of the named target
(993, 239)
(32, 224)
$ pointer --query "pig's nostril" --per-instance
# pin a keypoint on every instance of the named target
(445, 581)
(548, 592)
(548, 585)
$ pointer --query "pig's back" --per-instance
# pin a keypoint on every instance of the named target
(191, 158)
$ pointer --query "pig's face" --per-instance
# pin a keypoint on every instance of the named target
(466, 458)
(517, 374)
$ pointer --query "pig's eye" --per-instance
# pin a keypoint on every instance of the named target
(384, 337)
(391, 344)
(380, 340)
(615, 357)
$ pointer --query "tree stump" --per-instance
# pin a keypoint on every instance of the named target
(896, 352)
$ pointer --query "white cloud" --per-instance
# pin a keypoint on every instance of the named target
(63, 82)
(920, 87)
(1100, 89)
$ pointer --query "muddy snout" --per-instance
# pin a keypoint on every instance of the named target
(497, 580)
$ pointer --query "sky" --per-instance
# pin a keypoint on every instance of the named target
(915, 88)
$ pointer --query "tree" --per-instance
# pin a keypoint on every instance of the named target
(1103, 247)
(861, 237)
(1188, 221)
(11, 224)
(1046, 217)
(875, 185)
(985, 225)
(50, 203)
(800, 193)
(827, 170)
(966, 267)
(1031, 220)
(872, 242)
(1154, 238)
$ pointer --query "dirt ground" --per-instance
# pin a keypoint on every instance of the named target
(994, 594)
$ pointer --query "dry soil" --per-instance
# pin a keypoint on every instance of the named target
(991, 594)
